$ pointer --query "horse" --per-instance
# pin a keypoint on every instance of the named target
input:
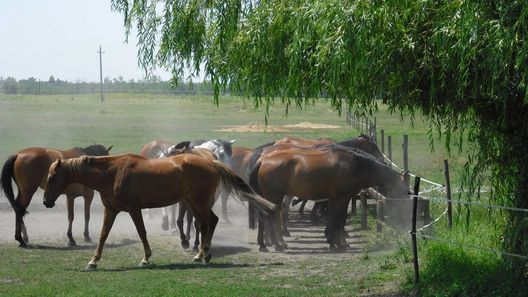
(184, 208)
(333, 171)
(28, 168)
(240, 160)
(362, 142)
(159, 149)
(130, 182)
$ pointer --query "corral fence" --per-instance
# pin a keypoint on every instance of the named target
(420, 199)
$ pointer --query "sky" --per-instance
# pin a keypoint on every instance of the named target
(61, 38)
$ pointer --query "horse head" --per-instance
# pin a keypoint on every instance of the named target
(56, 183)
(97, 150)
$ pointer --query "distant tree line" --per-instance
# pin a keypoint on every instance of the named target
(56, 86)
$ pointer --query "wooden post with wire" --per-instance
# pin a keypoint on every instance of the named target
(405, 146)
(364, 210)
(382, 144)
(413, 230)
(389, 148)
(448, 193)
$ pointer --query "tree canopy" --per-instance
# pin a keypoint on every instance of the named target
(462, 64)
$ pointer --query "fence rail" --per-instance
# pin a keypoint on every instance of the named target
(363, 124)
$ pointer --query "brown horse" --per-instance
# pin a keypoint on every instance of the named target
(130, 182)
(299, 141)
(29, 169)
(334, 172)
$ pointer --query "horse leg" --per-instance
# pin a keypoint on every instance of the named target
(285, 215)
(301, 208)
(179, 223)
(188, 213)
(213, 220)
(172, 216)
(108, 221)
(164, 219)
(314, 218)
(140, 227)
(340, 226)
(196, 246)
(202, 216)
(331, 224)
(224, 195)
(260, 234)
(18, 229)
(70, 203)
(88, 198)
(24, 232)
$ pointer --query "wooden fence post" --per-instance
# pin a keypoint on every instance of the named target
(389, 148)
(413, 230)
(375, 130)
(382, 141)
(379, 214)
(364, 210)
(448, 190)
(405, 146)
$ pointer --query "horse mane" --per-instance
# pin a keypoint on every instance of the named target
(94, 150)
(352, 150)
(182, 145)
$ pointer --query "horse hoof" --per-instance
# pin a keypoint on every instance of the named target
(143, 263)
(196, 248)
(197, 258)
(91, 267)
(286, 233)
(87, 239)
(22, 244)
(263, 249)
(165, 223)
(279, 248)
(72, 243)
(185, 244)
(208, 257)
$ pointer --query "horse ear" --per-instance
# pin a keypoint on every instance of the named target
(109, 148)
(232, 141)
(58, 163)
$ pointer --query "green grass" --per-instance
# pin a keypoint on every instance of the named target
(128, 121)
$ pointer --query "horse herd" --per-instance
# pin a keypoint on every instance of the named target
(194, 174)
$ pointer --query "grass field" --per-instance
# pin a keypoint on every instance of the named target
(130, 121)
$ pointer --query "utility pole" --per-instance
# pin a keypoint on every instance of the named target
(100, 52)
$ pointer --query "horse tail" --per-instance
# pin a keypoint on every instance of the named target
(253, 182)
(234, 183)
(8, 173)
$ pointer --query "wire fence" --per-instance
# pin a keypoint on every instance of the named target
(437, 187)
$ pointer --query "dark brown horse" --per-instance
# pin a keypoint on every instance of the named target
(28, 168)
(131, 182)
(334, 172)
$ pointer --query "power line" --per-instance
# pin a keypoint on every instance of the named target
(100, 52)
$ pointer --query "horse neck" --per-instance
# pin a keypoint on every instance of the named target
(88, 171)
(375, 172)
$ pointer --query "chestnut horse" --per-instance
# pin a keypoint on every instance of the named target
(362, 142)
(332, 171)
(29, 168)
(158, 149)
(131, 182)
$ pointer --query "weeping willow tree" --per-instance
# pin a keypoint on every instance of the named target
(462, 64)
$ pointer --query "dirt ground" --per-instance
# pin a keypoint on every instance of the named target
(50, 225)
(259, 127)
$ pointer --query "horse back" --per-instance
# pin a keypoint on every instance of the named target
(154, 148)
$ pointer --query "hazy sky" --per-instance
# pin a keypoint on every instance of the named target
(61, 38)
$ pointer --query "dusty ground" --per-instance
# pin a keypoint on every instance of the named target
(259, 127)
(49, 225)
